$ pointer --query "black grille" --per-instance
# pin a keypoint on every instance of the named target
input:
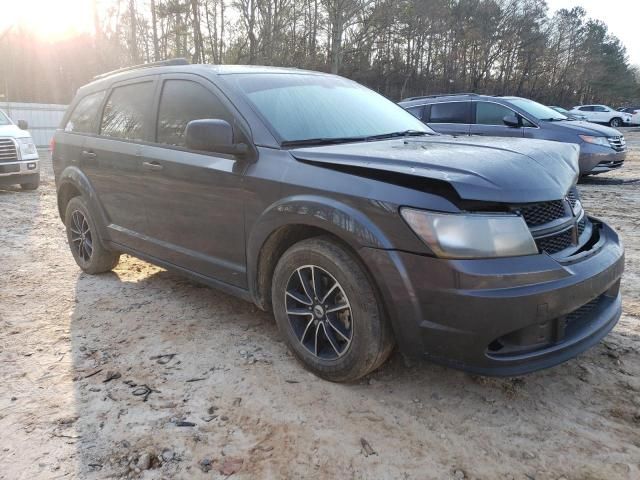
(582, 224)
(572, 196)
(542, 213)
(556, 243)
(583, 311)
(8, 151)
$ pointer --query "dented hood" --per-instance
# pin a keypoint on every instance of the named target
(512, 170)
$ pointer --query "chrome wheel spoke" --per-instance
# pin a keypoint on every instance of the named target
(299, 298)
(337, 308)
(304, 286)
(328, 337)
(326, 295)
(338, 331)
(298, 311)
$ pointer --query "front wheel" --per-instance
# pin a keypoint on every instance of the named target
(329, 312)
(32, 184)
(616, 122)
(84, 241)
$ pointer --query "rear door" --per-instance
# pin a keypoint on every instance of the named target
(588, 112)
(113, 160)
(452, 118)
(196, 199)
(488, 120)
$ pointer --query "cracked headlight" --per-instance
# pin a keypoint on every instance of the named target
(27, 147)
(452, 235)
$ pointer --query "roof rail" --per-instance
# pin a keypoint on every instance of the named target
(161, 63)
(436, 95)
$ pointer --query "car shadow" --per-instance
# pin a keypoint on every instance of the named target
(175, 371)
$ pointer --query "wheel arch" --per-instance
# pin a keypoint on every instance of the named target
(295, 219)
(73, 183)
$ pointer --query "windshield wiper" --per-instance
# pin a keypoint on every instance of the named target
(335, 140)
(321, 141)
(404, 133)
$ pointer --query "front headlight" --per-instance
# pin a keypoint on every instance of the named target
(27, 147)
(471, 235)
(595, 140)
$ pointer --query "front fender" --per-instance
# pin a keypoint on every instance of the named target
(333, 216)
(73, 177)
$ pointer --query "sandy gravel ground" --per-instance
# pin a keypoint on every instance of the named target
(141, 373)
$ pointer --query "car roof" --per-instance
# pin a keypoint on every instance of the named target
(453, 97)
(105, 80)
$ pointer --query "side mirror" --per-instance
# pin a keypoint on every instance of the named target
(212, 135)
(511, 121)
(23, 125)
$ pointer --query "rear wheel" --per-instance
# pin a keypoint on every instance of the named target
(84, 241)
(329, 312)
(616, 122)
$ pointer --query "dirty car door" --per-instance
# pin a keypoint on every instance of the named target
(196, 214)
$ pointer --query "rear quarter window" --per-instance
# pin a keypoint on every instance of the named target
(84, 118)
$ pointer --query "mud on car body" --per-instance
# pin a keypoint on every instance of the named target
(356, 224)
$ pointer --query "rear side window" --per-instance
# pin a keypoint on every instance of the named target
(454, 112)
(126, 112)
(491, 113)
(84, 118)
(586, 109)
(181, 102)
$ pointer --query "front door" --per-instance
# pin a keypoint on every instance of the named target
(196, 199)
(489, 121)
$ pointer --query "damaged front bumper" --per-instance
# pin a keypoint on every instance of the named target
(504, 316)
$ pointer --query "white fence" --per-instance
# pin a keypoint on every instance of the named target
(43, 118)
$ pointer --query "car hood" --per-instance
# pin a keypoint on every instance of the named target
(486, 169)
(12, 131)
(588, 128)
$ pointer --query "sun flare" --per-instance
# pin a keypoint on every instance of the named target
(48, 19)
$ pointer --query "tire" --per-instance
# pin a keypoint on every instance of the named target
(84, 241)
(339, 345)
(33, 185)
(615, 122)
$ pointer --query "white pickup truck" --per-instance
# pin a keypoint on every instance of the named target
(19, 163)
(602, 114)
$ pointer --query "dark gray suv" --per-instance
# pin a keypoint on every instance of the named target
(351, 220)
(602, 149)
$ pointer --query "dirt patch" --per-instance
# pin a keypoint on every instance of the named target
(142, 373)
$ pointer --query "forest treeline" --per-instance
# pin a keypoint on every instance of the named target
(399, 48)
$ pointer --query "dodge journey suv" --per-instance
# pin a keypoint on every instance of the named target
(351, 220)
(602, 149)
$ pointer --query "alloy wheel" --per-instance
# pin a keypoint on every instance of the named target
(319, 312)
(81, 239)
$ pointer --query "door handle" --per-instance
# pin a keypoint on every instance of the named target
(152, 166)
(88, 155)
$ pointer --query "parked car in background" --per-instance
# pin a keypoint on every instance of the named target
(571, 116)
(19, 162)
(634, 112)
(603, 114)
(355, 223)
(601, 148)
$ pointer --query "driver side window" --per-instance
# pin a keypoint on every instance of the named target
(182, 101)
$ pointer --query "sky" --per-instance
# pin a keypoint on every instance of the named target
(622, 17)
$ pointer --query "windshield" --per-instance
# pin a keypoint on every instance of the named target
(537, 110)
(301, 107)
(4, 120)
